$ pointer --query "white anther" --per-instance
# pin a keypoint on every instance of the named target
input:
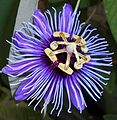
(84, 49)
(78, 65)
(54, 45)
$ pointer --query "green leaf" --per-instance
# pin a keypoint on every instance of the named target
(11, 111)
(111, 83)
(111, 12)
(110, 102)
(110, 117)
(4, 93)
(55, 1)
(8, 10)
(84, 3)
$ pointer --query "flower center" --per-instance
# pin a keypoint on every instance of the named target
(70, 48)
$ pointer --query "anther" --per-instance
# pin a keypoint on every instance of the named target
(84, 48)
(63, 36)
(78, 65)
(54, 45)
(50, 54)
(62, 67)
(79, 40)
(87, 58)
(57, 34)
(84, 59)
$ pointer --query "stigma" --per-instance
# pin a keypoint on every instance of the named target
(70, 48)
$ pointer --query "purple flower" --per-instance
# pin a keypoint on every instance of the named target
(57, 52)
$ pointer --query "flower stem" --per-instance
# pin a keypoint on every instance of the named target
(89, 18)
(77, 5)
(93, 12)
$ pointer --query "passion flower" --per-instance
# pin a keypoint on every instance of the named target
(56, 53)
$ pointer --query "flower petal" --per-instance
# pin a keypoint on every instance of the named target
(33, 84)
(41, 22)
(25, 66)
(22, 41)
(75, 93)
(66, 17)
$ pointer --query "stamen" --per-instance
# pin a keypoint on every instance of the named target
(50, 54)
(57, 34)
(78, 65)
(85, 58)
(84, 49)
(62, 67)
(68, 61)
(69, 48)
(60, 51)
(63, 36)
(54, 45)
(76, 55)
(79, 40)
(62, 43)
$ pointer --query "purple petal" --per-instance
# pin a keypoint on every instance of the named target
(23, 37)
(66, 17)
(51, 90)
(31, 84)
(41, 22)
(75, 93)
(23, 42)
(19, 95)
(22, 67)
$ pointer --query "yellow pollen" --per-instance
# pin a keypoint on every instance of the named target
(70, 48)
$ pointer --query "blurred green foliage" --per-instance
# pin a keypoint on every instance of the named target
(10, 111)
(8, 11)
(111, 12)
(83, 3)
(110, 117)
(55, 1)
(15, 111)
(111, 84)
